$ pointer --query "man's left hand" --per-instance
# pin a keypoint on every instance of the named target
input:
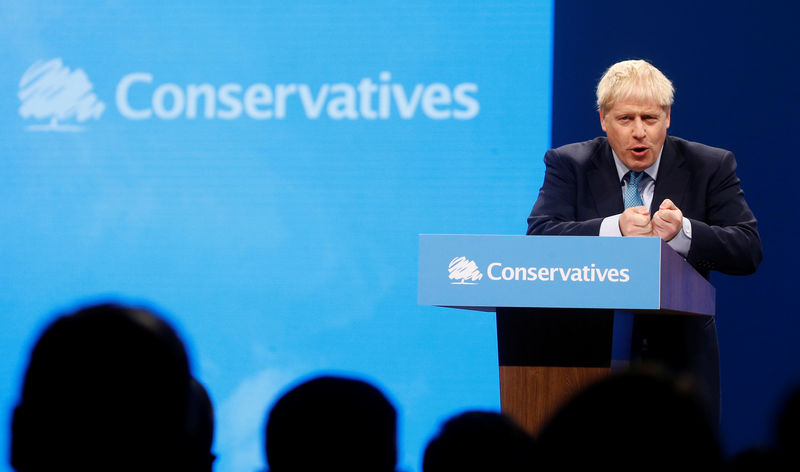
(667, 221)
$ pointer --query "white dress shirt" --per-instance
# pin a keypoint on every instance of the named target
(610, 225)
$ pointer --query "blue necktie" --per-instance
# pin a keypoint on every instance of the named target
(632, 197)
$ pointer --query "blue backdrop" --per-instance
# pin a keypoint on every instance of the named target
(735, 74)
(259, 172)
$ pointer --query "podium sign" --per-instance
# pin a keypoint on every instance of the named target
(566, 305)
(483, 272)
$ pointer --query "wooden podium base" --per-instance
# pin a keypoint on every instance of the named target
(548, 355)
(530, 395)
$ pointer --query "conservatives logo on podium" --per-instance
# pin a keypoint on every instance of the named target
(464, 271)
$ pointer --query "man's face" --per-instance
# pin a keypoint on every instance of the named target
(636, 131)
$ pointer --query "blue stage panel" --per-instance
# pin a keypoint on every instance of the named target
(260, 172)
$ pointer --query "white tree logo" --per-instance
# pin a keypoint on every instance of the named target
(51, 90)
(464, 270)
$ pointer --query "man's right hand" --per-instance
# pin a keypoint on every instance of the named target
(635, 221)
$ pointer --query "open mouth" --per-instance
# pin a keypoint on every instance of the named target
(639, 150)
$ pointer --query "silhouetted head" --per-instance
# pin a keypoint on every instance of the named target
(332, 423)
(106, 388)
(200, 428)
(756, 459)
(787, 431)
(631, 421)
(479, 441)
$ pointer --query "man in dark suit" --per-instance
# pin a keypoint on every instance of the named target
(640, 182)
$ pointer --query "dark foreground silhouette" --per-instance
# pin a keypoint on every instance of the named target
(631, 422)
(332, 423)
(479, 441)
(109, 388)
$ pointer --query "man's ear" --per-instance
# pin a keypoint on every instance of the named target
(603, 119)
(669, 112)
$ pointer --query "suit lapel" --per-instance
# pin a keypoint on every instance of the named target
(604, 184)
(673, 177)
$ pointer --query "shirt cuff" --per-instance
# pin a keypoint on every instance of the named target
(610, 227)
(683, 240)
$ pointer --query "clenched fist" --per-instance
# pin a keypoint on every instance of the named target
(635, 221)
(667, 221)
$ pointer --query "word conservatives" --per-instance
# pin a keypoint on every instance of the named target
(496, 271)
(140, 97)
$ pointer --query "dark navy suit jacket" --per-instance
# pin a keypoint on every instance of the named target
(581, 187)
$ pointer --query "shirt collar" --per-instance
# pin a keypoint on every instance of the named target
(652, 171)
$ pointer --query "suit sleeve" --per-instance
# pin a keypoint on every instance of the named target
(555, 210)
(727, 240)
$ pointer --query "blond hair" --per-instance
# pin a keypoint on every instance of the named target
(634, 79)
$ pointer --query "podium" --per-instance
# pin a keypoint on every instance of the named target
(566, 306)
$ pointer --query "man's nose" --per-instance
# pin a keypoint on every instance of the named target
(638, 129)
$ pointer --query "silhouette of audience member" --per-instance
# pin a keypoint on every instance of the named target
(784, 453)
(106, 388)
(332, 423)
(755, 459)
(631, 421)
(479, 441)
(787, 431)
(200, 428)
